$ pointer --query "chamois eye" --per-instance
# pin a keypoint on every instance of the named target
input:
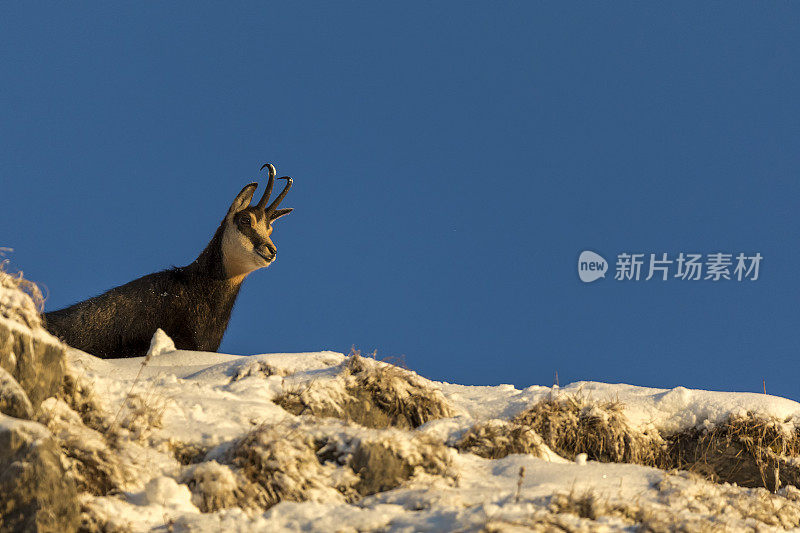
(244, 220)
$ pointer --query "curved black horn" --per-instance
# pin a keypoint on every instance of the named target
(268, 191)
(281, 196)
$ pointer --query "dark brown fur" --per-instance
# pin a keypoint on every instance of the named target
(192, 304)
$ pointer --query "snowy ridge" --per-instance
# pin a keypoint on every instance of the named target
(208, 402)
(667, 410)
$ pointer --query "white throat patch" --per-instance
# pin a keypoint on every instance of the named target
(238, 255)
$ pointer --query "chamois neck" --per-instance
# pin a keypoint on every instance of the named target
(210, 263)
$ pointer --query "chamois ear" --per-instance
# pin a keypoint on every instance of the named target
(279, 213)
(243, 198)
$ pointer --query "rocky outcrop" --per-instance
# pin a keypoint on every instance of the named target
(13, 400)
(34, 358)
(35, 495)
(29, 353)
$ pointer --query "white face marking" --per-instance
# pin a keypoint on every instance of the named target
(238, 254)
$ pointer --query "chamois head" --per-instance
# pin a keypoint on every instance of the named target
(246, 243)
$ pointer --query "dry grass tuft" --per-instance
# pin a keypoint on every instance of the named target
(282, 460)
(95, 520)
(374, 394)
(186, 453)
(215, 487)
(684, 502)
(77, 392)
(257, 369)
(138, 416)
(540, 521)
(89, 438)
(21, 300)
(495, 439)
(685, 489)
(82, 428)
(385, 463)
(141, 414)
(569, 426)
(88, 457)
(324, 400)
(407, 399)
(750, 451)
(571, 511)
(589, 505)
(573, 425)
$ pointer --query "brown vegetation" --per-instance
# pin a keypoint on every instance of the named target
(373, 394)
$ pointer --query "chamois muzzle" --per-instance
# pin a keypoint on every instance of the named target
(269, 210)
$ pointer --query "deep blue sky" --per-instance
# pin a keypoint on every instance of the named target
(451, 160)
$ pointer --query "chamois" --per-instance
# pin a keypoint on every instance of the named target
(192, 304)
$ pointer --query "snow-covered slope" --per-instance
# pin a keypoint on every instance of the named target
(246, 440)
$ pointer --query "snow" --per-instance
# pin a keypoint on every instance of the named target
(667, 410)
(160, 344)
(213, 400)
(165, 492)
(670, 410)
